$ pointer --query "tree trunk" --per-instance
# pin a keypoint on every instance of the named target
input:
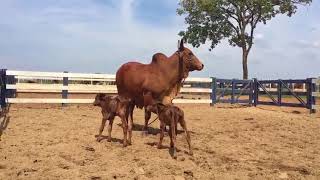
(245, 54)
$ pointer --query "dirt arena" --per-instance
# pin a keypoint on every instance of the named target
(229, 142)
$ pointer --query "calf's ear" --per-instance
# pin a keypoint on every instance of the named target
(101, 96)
(160, 105)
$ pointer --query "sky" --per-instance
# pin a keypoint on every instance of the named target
(97, 36)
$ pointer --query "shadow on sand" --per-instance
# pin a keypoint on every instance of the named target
(112, 139)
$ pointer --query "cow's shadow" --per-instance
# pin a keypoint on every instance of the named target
(151, 130)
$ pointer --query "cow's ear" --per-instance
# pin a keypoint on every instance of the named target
(181, 46)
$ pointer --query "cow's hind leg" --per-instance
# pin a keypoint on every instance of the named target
(103, 123)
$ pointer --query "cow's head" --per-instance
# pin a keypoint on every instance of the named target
(189, 60)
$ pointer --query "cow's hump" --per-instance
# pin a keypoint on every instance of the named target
(158, 57)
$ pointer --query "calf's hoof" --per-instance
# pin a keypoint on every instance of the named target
(190, 153)
(159, 146)
(174, 156)
(99, 139)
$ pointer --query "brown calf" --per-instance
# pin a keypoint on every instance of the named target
(112, 106)
(171, 115)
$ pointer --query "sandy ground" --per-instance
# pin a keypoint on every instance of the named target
(229, 142)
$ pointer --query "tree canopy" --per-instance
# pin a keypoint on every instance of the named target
(234, 20)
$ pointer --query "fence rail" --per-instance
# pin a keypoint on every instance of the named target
(219, 90)
(82, 88)
(18, 85)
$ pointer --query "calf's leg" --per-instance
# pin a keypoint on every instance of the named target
(110, 129)
(125, 130)
(103, 122)
(173, 135)
(184, 126)
(162, 126)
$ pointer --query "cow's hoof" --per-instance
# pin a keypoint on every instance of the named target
(109, 139)
(159, 146)
(125, 145)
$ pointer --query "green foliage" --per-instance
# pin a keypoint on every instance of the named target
(234, 20)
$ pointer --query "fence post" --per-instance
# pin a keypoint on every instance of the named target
(11, 79)
(65, 87)
(233, 90)
(279, 92)
(308, 85)
(251, 92)
(312, 99)
(3, 88)
(213, 91)
(256, 92)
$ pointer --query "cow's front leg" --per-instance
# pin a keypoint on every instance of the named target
(130, 123)
(103, 122)
(147, 116)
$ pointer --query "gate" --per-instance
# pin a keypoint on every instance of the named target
(274, 90)
(232, 91)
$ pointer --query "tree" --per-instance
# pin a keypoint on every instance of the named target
(234, 20)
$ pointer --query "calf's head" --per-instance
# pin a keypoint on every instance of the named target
(99, 99)
(108, 104)
(157, 107)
